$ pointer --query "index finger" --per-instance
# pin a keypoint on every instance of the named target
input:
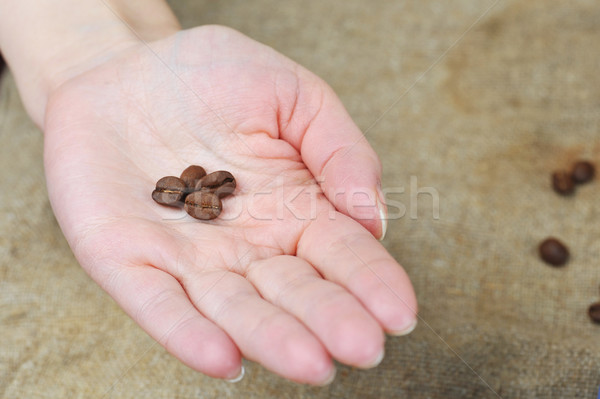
(336, 152)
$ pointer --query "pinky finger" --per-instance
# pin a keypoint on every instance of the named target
(158, 303)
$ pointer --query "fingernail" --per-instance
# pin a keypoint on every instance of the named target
(331, 377)
(378, 360)
(382, 214)
(404, 331)
(239, 377)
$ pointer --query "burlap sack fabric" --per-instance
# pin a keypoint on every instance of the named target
(479, 102)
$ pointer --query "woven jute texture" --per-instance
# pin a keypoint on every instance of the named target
(470, 105)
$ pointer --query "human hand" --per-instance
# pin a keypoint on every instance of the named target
(290, 275)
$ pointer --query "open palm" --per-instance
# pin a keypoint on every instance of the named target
(290, 275)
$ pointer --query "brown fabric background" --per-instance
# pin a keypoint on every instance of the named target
(479, 106)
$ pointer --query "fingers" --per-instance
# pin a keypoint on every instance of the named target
(344, 253)
(135, 261)
(158, 303)
(263, 332)
(337, 154)
(347, 330)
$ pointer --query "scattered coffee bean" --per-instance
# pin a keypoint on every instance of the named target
(221, 183)
(553, 252)
(594, 312)
(170, 190)
(563, 183)
(583, 172)
(203, 205)
(191, 175)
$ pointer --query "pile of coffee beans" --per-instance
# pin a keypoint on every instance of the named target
(199, 193)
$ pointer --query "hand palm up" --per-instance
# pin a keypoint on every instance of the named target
(290, 274)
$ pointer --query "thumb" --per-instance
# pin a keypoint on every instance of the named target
(338, 155)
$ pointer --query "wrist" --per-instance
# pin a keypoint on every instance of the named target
(65, 38)
(75, 58)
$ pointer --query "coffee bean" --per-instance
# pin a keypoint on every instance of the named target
(225, 190)
(583, 172)
(594, 312)
(563, 183)
(221, 183)
(191, 175)
(170, 190)
(203, 205)
(554, 252)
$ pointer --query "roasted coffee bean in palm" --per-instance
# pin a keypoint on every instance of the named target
(203, 205)
(222, 183)
(170, 191)
(226, 189)
(192, 175)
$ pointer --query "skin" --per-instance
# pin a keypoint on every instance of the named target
(291, 275)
